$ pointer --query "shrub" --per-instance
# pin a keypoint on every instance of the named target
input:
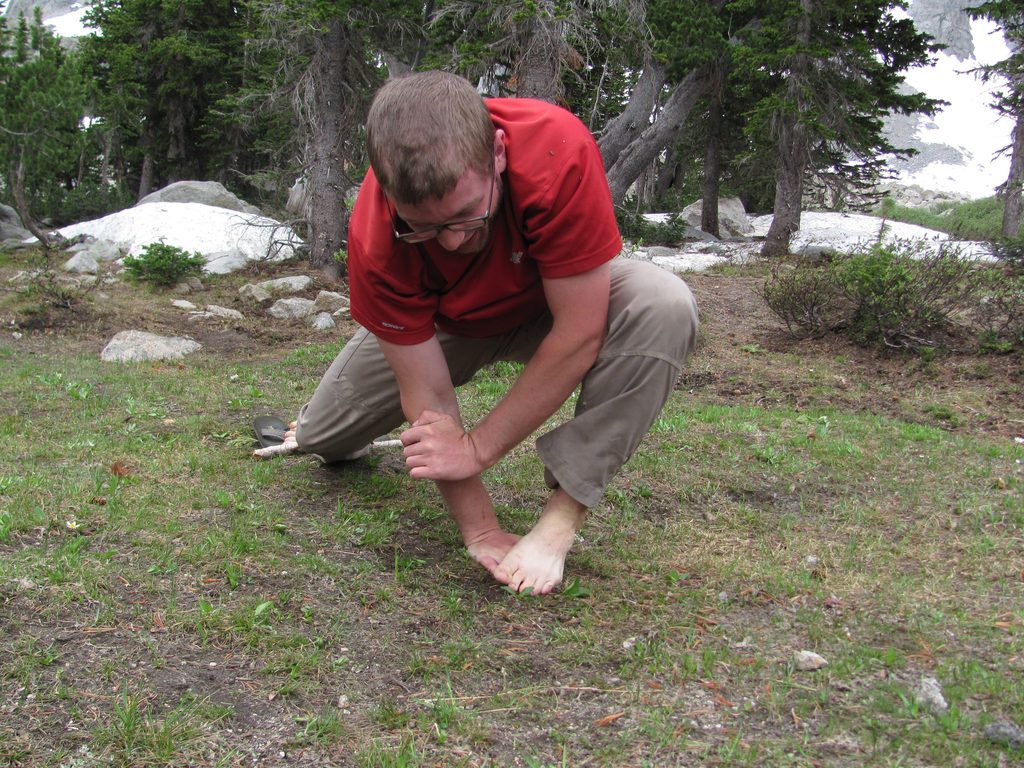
(637, 229)
(999, 312)
(807, 298)
(1010, 252)
(163, 265)
(904, 294)
(92, 200)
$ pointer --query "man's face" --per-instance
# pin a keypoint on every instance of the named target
(460, 221)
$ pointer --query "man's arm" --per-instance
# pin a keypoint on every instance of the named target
(425, 385)
(436, 446)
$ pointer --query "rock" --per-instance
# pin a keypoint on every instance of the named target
(817, 253)
(189, 284)
(11, 226)
(204, 192)
(1005, 732)
(732, 217)
(139, 346)
(291, 309)
(929, 694)
(324, 322)
(808, 661)
(329, 301)
(212, 310)
(188, 306)
(101, 250)
(286, 285)
(255, 294)
(82, 264)
(661, 252)
(225, 262)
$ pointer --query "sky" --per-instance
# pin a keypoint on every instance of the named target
(968, 123)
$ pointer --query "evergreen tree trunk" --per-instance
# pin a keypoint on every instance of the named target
(326, 173)
(17, 178)
(789, 187)
(625, 128)
(538, 69)
(710, 181)
(650, 142)
(793, 146)
(1012, 188)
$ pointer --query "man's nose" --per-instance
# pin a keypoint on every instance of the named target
(450, 239)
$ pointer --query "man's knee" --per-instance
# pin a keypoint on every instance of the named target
(654, 312)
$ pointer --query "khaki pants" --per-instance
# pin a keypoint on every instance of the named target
(652, 327)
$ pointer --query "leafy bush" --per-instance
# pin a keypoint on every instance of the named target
(999, 311)
(901, 295)
(1010, 251)
(807, 298)
(163, 265)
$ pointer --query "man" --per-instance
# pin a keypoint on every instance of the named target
(485, 231)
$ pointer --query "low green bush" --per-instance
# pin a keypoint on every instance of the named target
(637, 229)
(163, 265)
(905, 294)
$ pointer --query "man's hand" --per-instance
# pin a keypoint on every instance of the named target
(438, 448)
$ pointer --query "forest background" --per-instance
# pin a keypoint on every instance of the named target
(774, 101)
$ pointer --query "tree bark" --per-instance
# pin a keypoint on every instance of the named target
(17, 176)
(1012, 203)
(793, 144)
(538, 69)
(624, 128)
(655, 137)
(326, 174)
(711, 180)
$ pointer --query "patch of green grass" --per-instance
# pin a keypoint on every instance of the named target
(876, 523)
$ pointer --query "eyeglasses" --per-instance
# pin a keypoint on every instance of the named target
(422, 235)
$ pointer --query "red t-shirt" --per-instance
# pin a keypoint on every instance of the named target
(556, 220)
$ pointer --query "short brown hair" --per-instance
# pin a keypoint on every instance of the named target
(423, 131)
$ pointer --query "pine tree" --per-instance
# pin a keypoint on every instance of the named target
(161, 67)
(1009, 100)
(42, 98)
(830, 72)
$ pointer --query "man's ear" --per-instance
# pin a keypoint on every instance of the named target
(500, 157)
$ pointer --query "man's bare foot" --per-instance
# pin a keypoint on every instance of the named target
(538, 560)
(491, 548)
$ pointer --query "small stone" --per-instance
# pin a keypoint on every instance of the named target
(808, 661)
(929, 693)
(812, 561)
(226, 312)
(291, 309)
(324, 322)
(723, 597)
(1005, 732)
(255, 293)
(188, 306)
(628, 643)
(329, 301)
(82, 264)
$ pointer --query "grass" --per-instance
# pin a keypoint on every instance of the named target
(971, 220)
(167, 601)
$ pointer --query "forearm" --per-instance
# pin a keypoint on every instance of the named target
(469, 505)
